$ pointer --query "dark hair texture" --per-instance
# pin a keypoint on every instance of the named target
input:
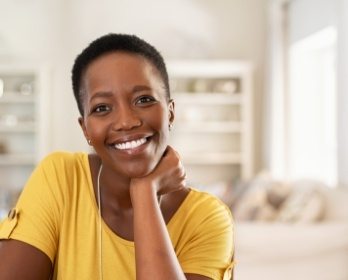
(112, 43)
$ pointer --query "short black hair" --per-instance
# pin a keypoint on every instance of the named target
(112, 43)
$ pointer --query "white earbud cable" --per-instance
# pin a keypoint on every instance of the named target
(100, 224)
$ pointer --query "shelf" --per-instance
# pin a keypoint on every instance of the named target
(208, 98)
(19, 128)
(208, 68)
(211, 158)
(17, 159)
(24, 125)
(16, 98)
(208, 127)
(213, 129)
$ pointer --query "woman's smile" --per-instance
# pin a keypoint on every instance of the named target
(131, 145)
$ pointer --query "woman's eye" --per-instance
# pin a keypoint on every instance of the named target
(101, 109)
(145, 99)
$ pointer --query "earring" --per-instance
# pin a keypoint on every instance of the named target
(170, 126)
(89, 141)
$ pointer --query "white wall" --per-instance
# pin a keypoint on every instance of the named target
(342, 98)
(29, 29)
(55, 31)
(311, 16)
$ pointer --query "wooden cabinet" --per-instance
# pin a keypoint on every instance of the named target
(213, 127)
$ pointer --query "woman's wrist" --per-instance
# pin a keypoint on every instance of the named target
(141, 189)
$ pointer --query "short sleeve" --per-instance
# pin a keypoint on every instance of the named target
(210, 249)
(35, 219)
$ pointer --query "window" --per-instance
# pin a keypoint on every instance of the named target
(311, 107)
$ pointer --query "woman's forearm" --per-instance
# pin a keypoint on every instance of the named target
(154, 254)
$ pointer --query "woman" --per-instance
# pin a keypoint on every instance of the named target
(123, 212)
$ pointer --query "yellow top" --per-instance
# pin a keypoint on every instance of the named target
(58, 214)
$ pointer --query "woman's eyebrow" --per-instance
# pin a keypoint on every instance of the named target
(101, 94)
(141, 88)
(135, 89)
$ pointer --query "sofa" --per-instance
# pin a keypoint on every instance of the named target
(302, 251)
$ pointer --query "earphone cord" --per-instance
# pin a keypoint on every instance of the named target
(100, 224)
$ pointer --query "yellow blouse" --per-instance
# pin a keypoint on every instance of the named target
(57, 213)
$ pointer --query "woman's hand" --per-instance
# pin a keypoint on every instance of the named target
(168, 176)
(155, 257)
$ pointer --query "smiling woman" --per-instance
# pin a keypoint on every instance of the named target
(123, 212)
(124, 101)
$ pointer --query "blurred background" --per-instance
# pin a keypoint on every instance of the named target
(261, 105)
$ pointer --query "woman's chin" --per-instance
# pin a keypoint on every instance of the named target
(140, 168)
(138, 174)
(139, 171)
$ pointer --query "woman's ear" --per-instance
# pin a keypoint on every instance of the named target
(171, 111)
(83, 127)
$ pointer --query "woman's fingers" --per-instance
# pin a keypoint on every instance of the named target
(172, 172)
(168, 176)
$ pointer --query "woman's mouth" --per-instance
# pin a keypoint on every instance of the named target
(131, 144)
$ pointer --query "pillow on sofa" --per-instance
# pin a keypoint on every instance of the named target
(261, 199)
(305, 204)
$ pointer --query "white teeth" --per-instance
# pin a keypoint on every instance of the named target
(131, 144)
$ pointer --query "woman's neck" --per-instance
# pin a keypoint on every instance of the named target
(114, 187)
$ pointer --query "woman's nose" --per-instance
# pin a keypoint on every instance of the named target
(126, 118)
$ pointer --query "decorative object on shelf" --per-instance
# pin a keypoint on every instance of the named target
(225, 86)
(27, 119)
(193, 115)
(200, 85)
(26, 88)
(9, 120)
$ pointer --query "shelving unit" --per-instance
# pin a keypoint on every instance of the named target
(24, 117)
(213, 127)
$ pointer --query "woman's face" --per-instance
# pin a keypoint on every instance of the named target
(126, 113)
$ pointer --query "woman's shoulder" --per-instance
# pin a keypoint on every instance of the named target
(63, 165)
(205, 199)
(201, 214)
(64, 158)
(203, 204)
(61, 173)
